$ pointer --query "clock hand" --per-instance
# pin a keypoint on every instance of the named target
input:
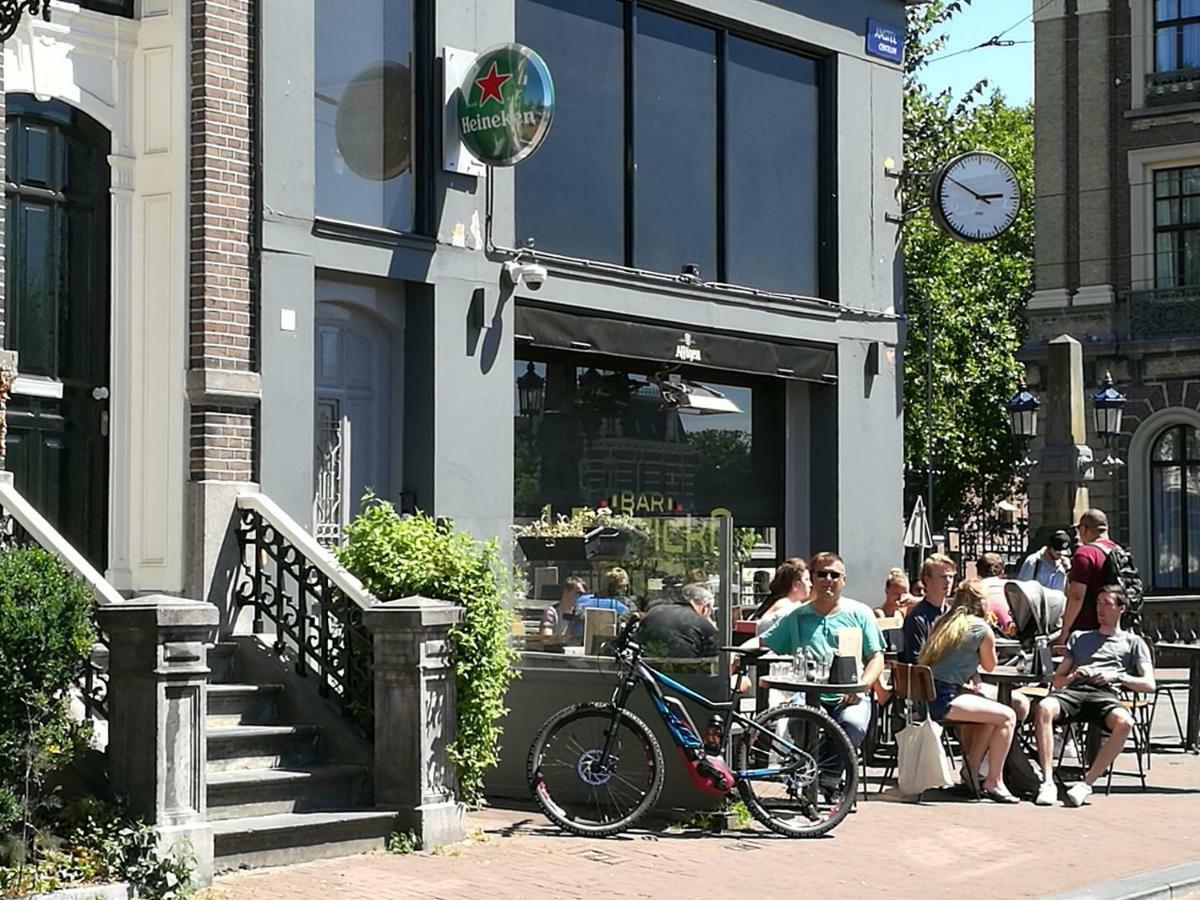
(991, 196)
(969, 191)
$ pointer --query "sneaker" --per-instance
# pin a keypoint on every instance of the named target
(1078, 794)
(1047, 794)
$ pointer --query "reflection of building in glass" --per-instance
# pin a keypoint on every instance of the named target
(649, 476)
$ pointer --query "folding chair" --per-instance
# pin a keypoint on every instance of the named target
(1087, 738)
(912, 685)
(1169, 687)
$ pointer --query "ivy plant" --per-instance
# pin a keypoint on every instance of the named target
(403, 556)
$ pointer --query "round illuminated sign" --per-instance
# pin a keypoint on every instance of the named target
(505, 105)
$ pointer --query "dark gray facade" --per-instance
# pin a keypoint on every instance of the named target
(442, 322)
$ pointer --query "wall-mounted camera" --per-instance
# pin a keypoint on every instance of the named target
(524, 269)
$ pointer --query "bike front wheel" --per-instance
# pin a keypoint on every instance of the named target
(799, 774)
(583, 792)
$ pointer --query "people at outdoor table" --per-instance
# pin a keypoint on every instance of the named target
(790, 587)
(565, 618)
(1096, 665)
(961, 643)
(683, 630)
(990, 570)
(938, 575)
(816, 625)
(1087, 573)
(1049, 565)
(896, 599)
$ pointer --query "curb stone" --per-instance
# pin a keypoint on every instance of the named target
(1161, 884)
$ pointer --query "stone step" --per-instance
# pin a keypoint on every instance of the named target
(289, 838)
(240, 793)
(243, 704)
(261, 746)
(222, 660)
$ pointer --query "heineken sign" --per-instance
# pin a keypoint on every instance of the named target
(505, 105)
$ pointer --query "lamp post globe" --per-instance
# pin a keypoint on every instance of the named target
(1108, 404)
(1022, 412)
(531, 392)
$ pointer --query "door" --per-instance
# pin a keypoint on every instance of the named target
(353, 415)
(57, 316)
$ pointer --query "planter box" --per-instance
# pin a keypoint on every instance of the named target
(545, 549)
(94, 892)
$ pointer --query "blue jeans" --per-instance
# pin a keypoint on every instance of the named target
(854, 719)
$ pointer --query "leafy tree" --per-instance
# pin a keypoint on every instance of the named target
(973, 293)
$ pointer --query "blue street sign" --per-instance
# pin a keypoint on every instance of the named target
(885, 41)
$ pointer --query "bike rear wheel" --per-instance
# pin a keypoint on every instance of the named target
(571, 786)
(810, 771)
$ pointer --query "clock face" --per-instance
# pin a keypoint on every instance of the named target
(976, 197)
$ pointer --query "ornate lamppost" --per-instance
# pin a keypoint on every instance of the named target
(11, 11)
(1022, 419)
(1108, 405)
(531, 392)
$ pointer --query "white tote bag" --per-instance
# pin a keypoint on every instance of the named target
(923, 762)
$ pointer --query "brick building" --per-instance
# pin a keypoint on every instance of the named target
(1118, 252)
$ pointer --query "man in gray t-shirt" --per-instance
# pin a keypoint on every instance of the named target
(1095, 667)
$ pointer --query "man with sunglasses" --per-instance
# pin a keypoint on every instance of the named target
(817, 625)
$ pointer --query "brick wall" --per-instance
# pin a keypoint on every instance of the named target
(222, 316)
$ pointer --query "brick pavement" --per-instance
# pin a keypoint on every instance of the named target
(941, 848)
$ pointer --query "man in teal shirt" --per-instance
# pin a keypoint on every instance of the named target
(816, 625)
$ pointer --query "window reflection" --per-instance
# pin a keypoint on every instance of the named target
(1175, 508)
(363, 112)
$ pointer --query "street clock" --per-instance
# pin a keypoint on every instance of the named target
(975, 197)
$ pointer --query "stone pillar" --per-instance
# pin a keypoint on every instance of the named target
(158, 701)
(415, 716)
(1093, 159)
(1052, 131)
(1065, 462)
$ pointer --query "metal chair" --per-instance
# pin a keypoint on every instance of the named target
(1087, 738)
(912, 685)
(1168, 687)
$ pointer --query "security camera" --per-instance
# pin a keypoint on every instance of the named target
(532, 274)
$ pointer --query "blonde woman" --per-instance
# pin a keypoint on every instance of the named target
(961, 643)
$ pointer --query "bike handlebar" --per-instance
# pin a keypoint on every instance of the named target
(621, 643)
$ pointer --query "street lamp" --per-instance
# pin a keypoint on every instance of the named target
(1108, 404)
(11, 10)
(531, 392)
(1022, 419)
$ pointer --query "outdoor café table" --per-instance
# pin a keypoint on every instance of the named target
(1005, 677)
(811, 690)
(1192, 651)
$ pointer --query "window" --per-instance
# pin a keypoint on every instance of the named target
(115, 7)
(1175, 508)
(363, 107)
(691, 164)
(1176, 35)
(1177, 227)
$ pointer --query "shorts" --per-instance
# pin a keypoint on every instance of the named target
(1086, 702)
(944, 692)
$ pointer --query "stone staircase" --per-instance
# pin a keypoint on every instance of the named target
(279, 790)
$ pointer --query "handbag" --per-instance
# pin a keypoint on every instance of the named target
(923, 764)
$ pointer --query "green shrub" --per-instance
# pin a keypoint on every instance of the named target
(398, 557)
(46, 637)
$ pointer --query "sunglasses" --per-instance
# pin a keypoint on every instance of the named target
(828, 573)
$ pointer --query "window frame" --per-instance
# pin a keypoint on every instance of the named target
(827, 248)
(122, 8)
(423, 141)
(1178, 231)
(1178, 24)
(1155, 465)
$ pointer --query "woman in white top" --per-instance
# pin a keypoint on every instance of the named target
(789, 589)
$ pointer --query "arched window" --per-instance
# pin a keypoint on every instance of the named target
(1175, 508)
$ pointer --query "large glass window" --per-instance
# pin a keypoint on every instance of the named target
(363, 105)
(1177, 227)
(772, 172)
(710, 157)
(1175, 508)
(116, 7)
(571, 191)
(605, 437)
(675, 145)
(1176, 35)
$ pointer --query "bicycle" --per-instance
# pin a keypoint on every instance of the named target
(596, 768)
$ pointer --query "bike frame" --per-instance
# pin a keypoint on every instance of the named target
(684, 737)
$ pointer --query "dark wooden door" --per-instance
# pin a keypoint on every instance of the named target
(57, 316)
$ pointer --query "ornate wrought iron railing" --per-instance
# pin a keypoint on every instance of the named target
(1176, 86)
(1164, 312)
(299, 593)
(23, 526)
(977, 537)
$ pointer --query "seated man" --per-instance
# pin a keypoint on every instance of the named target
(565, 618)
(938, 574)
(1095, 666)
(682, 630)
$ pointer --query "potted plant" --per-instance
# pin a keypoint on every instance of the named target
(586, 534)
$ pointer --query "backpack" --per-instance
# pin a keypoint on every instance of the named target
(1020, 777)
(1119, 568)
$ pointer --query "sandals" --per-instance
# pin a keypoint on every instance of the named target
(998, 797)
(970, 782)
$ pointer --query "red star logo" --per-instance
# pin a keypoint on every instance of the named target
(490, 85)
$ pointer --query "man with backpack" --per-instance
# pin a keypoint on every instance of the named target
(1099, 561)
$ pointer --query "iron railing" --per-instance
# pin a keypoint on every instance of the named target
(977, 537)
(1164, 312)
(312, 605)
(23, 526)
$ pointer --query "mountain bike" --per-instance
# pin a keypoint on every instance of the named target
(596, 768)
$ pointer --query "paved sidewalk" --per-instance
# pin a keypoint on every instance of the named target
(942, 848)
